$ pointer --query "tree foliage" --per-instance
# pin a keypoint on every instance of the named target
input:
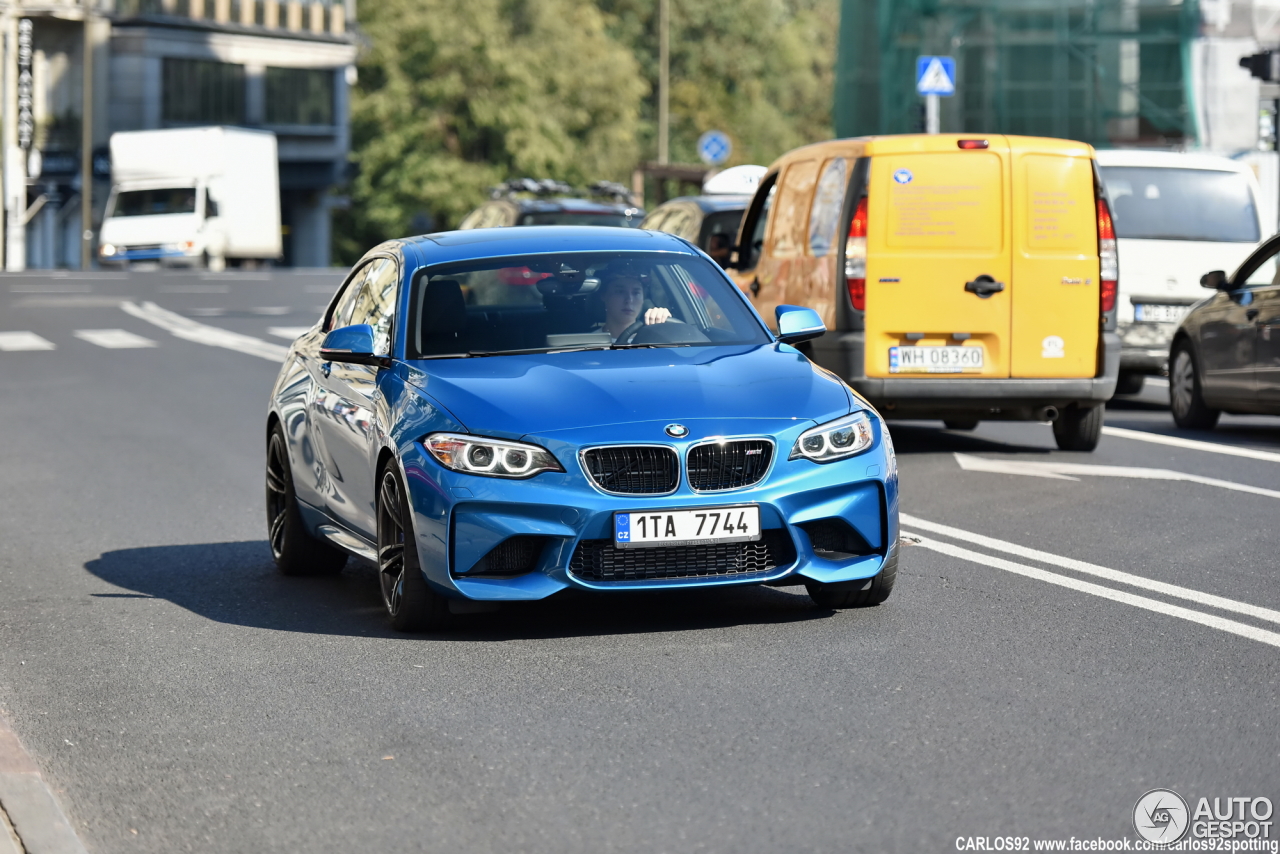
(455, 97)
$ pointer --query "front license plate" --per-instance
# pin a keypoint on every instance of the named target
(1149, 312)
(687, 527)
(935, 360)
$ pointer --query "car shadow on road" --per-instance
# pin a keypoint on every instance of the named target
(237, 583)
(910, 438)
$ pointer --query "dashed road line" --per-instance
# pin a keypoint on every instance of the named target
(289, 332)
(1190, 444)
(52, 288)
(1064, 471)
(14, 341)
(114, 339)
(200, 333)
(1242, 629)
(1197, 596)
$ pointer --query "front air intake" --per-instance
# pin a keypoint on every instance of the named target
(731, 464)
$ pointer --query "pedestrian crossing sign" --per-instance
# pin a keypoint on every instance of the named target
(935, 75)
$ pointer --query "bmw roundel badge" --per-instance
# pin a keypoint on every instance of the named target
(677, 431)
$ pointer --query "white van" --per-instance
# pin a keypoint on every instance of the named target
(1177, 216)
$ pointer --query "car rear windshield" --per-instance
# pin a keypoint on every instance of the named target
(1181, 204)
(579, 218)
(575, 301)
(175, 200)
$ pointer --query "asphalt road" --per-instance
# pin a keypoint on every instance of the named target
(182, 696)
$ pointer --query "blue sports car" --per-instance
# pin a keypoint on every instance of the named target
(501, 414)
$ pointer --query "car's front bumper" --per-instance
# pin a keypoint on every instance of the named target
(459, 519)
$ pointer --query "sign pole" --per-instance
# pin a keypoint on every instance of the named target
(932, 119)
(86, 147)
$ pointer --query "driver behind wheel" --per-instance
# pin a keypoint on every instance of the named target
(623, 298)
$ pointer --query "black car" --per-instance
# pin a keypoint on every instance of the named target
(708, 222)
(1225, 356)
(529, 202)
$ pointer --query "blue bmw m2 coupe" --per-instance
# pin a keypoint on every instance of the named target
(498, 415)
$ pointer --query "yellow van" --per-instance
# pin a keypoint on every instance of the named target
(960, 277)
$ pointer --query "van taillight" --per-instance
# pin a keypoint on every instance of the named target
(1108, 258)
(855, 257)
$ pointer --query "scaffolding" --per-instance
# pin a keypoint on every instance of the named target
(1109, 72)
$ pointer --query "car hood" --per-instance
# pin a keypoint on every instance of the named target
(514, 396)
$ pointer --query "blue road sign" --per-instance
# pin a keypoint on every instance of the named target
(935, 75)
(714, 147)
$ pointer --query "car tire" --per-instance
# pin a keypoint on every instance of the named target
(857, 594)
(1129, 383)
(1186, 399)
(294, 549)
(1078, 429)
(411, 604)
(961, 423)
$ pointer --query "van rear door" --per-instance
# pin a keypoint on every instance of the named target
(1055, 260)
(938, 257)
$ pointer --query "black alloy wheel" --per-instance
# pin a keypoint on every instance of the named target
(1186, 399)
(411, 605)
(293, 548)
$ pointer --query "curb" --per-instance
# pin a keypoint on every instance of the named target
(31, 821)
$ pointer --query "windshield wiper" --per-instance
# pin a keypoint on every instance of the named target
(636, 346)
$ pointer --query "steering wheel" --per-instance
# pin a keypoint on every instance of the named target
(630, 332)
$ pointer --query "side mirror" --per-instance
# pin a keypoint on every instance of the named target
(797, 323)
(1215, 281)
(353, 345)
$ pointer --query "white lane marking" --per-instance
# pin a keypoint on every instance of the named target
(50, 289)
(289, 332)
(270, 309)
(12, 341)
(1191, 444)
(1063, 471)
(194, 289)
(1222, 624)
(1116, 575)
(191, 330)
(114, 339)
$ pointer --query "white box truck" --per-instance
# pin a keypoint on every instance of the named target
(192, 196)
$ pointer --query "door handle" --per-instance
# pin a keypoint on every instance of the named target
(1251, 313)
(755, 287)
(984, 286)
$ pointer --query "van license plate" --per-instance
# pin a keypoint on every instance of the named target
(687, 527)
(934, 360)
(1149, 312)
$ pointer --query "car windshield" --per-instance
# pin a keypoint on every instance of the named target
(575, 301)
(1181, 204)
(580, 218)
(170, 200)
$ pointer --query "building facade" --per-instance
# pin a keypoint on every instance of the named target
(279, 65)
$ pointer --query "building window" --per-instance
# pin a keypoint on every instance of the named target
(199, 91)
(299, 96)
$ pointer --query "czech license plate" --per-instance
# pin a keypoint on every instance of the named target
(687, 527)
(935, 360)
(1150, 312)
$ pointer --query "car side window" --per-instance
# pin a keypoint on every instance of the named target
(342, 309)
(376, 301)
(1266, 274)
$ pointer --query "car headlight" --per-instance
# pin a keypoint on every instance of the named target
(489, 457)
(835, 440)
(106, 250)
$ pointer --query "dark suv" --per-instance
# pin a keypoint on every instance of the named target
(529, 202)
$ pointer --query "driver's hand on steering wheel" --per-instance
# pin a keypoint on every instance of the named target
(656, 315)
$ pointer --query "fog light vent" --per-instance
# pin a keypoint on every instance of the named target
(513, 556)
(835, 539)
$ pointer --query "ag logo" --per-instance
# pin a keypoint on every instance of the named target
(903, 176)
(1053, 347)
(1161, 816)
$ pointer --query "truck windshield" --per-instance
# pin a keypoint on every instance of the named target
(1181, 204)
(175, 200)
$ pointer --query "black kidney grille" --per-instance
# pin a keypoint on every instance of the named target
(601, 560)
(729, 465)
(633, 469)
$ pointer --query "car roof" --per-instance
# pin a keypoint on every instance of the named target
(577, 205)
(537, 239)
(712, 204)
(1168, 160)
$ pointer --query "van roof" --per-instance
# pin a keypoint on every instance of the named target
(901, 143)
(1169, 160)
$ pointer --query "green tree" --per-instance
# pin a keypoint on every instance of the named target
(455, 97)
